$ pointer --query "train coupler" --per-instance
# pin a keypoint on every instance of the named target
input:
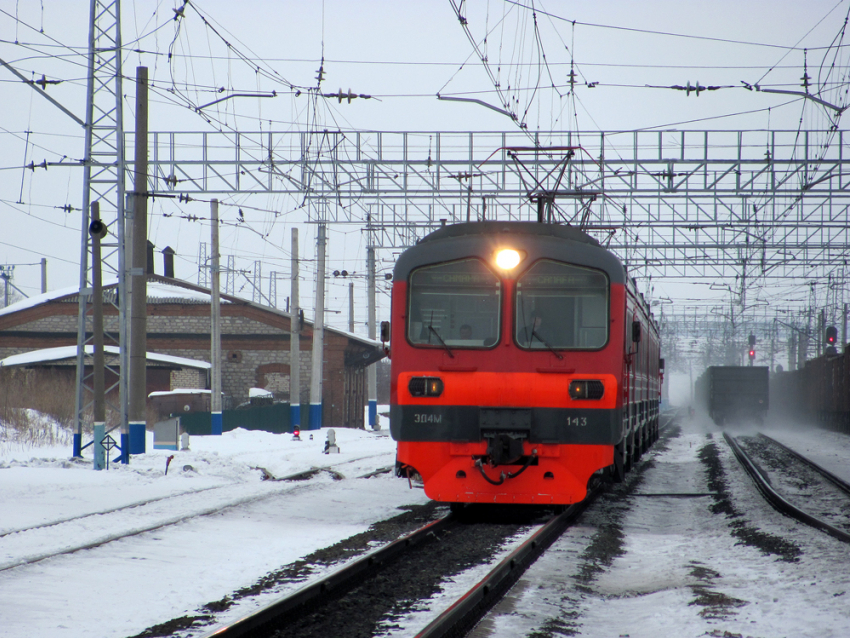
(504, 449)
(526, 461)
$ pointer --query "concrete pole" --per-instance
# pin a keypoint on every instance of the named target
(99, 362)
(295, 342)
(372, 370)
(843, 329)
(772, 345)
(318, 335)
(215, 329)
(5, 290)
(133, 442)
(43, 275)
(351, 306)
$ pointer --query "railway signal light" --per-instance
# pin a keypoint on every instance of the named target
(831, 340)
(752, 354)
(752, 341)
(296, 434)
(831, 335)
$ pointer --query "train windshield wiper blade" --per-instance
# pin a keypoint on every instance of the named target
(437, 334)
(534, 333)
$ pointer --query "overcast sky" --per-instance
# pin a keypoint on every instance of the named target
(402, 54)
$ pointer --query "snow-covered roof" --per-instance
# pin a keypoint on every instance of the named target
(68, 352)
(37, 300)
(356, 337)
(157, 292)
(179, 391)
(258, 392)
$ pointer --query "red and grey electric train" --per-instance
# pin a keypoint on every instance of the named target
(524, 361)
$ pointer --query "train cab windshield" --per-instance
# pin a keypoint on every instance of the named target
(455, 304)
(561, 306)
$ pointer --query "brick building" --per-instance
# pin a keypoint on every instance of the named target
(254, 343)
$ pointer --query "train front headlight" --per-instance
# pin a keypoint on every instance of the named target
(508, 258)
(585, 389)
(425, 386)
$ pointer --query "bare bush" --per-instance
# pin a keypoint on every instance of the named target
(36, 408)
(29, 428)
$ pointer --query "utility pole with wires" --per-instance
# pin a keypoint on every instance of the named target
(295, 342)
(273, 289)
(133, 436)
(103, 181)
(317, 371)
(372, 370)
(230, 275)
(6, 275)
(97, 230)
(215, 332)
(351, 306)
(257, 294)
(203, 266)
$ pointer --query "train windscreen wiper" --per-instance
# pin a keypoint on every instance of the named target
(440, 339)
(534, 333)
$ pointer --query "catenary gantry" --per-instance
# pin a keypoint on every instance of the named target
(670, 203)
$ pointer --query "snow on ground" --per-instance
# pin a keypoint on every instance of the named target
(176, 561)
(681, 572)
(676, 569)
(829, 449)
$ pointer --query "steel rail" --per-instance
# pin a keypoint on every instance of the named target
(776, 499)
(333, 584)
(470, 608)
(840, 483)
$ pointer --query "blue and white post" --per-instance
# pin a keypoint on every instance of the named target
(215, 327)
(372, 371)
(318, 335)
(97, 444)
(294, 342)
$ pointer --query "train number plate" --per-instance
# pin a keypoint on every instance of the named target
(504, 419)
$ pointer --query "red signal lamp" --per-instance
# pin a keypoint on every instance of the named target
(831, 335)
(296, 434)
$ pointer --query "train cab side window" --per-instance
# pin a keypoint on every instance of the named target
(561, 306)
(454, 305)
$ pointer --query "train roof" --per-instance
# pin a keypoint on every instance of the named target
(517, 228)
(536, 240)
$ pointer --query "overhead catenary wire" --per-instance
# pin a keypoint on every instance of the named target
(237, 119)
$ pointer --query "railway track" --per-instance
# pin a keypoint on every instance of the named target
(795, 485)
(372, 594)
(323, 606)
(470, 608)
(152, 514)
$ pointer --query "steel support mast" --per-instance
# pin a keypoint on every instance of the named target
(103, 182)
